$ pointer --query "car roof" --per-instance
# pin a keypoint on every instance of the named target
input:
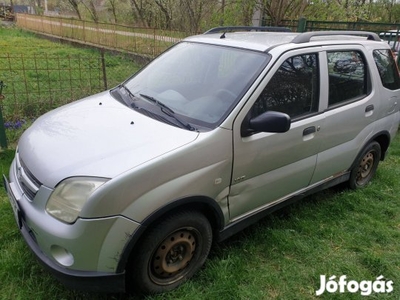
(263, 41)
(259, 41)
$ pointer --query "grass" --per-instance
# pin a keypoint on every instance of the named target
(40, 75)
(335, 232)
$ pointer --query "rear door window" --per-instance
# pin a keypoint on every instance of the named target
(387, 69)
(348, 78)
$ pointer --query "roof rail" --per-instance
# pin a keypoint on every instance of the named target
(247, 28)
(306, 36)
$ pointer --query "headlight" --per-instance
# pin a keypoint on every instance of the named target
(67, 200)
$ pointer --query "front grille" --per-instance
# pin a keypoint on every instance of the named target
(29, 174)
(30, 194)
(27, 181)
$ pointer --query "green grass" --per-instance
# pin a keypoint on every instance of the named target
(334, 232)
(18, 43)
(41, 75)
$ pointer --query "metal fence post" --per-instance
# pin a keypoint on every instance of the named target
(103, 68)
(301, 26)
(3, 138)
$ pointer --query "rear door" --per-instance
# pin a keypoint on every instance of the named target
(351, 109)
(268, 167)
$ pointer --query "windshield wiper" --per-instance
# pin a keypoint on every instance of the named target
(168, 111)
(132, 97)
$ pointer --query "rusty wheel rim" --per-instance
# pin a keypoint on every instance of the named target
(172, 257)
(365, 168)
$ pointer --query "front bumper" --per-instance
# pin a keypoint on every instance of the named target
(83, 255)
(79, 280)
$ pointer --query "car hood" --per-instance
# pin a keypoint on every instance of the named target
(96, 136)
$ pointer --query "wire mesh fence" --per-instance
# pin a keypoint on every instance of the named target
(32, 84)
(144, 41)
(35, 84)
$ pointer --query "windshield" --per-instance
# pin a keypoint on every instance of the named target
(199, 83)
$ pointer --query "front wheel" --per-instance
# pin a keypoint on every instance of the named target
(366, 166)
(171, 252)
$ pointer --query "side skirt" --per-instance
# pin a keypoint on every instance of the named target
(242, 223)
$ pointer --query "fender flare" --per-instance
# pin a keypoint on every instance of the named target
(383, 138)
(208, 206)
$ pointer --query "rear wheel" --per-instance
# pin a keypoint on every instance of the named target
(366, 166)
(171, 252)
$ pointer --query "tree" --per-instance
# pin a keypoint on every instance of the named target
(193, 16)
(195, 12)
(352, 10)
(165, 9)
(113, 6)
(90, 5)
(327, 10)
(278, 10)
(75, 7)
(140, 9)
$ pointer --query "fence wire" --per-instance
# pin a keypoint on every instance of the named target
(31, 85)
(34, 84)
(148, 42)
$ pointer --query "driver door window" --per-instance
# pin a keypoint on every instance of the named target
(294, 89)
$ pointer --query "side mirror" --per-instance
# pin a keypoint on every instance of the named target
(270, 121)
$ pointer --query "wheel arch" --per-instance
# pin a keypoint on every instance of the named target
(382, 138)
(205, 205)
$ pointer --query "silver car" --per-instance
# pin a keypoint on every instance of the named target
(127, 189)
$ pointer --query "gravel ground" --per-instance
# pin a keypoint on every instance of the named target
(7, 23)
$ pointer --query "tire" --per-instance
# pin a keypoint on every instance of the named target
(366, 166)
(171, 252)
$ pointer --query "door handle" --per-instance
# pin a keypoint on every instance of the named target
(309, 130)
(369, 108)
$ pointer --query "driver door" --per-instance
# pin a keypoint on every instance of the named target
(269, 167)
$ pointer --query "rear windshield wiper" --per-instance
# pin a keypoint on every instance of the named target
(168, 111)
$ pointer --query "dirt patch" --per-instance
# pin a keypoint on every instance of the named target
(7, 23)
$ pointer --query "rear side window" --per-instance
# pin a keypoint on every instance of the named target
(347, 77)
(294, 88)
(387, 69)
